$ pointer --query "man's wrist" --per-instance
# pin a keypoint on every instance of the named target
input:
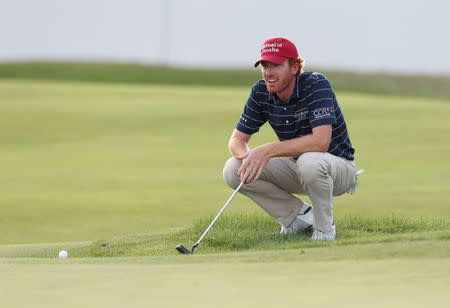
(270, 149)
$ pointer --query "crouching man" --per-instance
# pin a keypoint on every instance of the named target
(314, 155)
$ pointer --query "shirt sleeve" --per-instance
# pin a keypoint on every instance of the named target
(252, 117)
(322, 104)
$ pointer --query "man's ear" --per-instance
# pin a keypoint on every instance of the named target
(295, 68)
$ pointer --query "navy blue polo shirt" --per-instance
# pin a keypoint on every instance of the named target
(313, 103)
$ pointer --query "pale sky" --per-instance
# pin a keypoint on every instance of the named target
(396, 35)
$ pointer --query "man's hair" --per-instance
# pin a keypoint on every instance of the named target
(301, 63)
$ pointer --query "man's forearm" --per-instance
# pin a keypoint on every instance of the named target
(238, 147)
(297, 146)
(318, 141)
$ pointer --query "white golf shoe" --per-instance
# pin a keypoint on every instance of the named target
(322, 236)
(302, 223)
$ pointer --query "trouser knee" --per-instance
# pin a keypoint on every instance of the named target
(230, 170)
(311, 167)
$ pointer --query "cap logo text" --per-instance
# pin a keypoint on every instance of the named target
(271, 47)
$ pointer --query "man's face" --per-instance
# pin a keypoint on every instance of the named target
(277, 76)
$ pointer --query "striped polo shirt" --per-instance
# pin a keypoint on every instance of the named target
(313, 103)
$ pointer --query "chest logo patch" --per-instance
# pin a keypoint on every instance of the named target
(301, 114)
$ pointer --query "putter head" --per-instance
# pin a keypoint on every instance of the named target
(183, 250)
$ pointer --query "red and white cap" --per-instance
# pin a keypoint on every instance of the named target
(277, 50)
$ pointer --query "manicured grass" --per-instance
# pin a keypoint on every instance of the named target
(375, 83)
(390, 262)
(395, 282)
(88, 161)
(120, 174)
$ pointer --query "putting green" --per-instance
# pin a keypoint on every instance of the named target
(378, 275)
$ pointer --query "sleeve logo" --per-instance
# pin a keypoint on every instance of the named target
(323, 112)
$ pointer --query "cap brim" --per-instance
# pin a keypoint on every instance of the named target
(270, 58)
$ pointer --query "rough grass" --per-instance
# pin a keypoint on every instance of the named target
(250, 232)
(376, 83)
(241, 232)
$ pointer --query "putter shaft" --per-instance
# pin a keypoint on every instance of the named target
(218, 215)
(184, 250)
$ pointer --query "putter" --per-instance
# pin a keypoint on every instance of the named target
(182, 249)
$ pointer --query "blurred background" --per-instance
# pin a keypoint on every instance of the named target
(398, 36)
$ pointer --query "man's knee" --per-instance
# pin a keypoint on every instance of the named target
(230, 172)
(311, 165)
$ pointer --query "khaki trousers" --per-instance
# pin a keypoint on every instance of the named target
(317, 175)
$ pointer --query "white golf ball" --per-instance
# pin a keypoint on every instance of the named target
(63, 254)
